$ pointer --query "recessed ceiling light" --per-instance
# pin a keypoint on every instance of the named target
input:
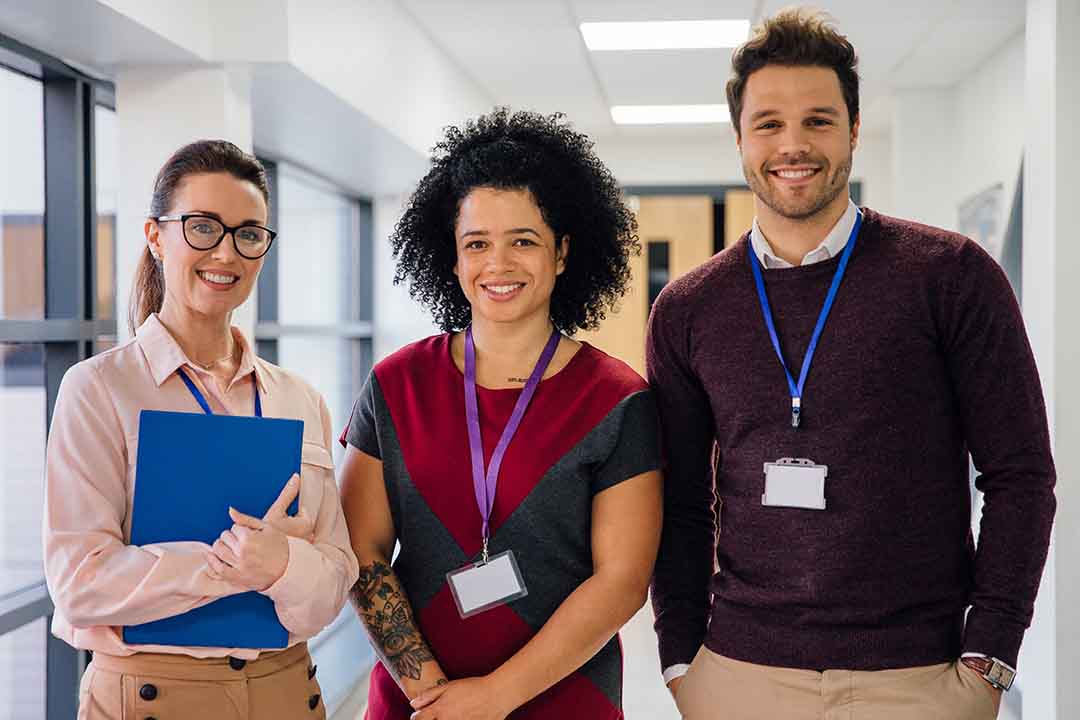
(675, 35)
(669, 114)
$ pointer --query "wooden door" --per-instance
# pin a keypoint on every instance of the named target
(685, 223)
(738, 215)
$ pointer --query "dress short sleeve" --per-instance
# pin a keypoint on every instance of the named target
(636, 446)
(362, 430)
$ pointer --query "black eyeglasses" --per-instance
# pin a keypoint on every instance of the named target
(204, 232)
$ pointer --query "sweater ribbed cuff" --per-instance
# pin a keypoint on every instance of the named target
(678, 648)
(993, 634)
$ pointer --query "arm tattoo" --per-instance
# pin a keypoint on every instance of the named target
(381, 604)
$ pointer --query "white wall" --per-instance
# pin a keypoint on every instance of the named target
(1051, 296)
(708, 159)
(989, 117)
(951, 143)
(376, 57)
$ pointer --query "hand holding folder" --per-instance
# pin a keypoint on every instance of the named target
(254, 553)
(191, 468)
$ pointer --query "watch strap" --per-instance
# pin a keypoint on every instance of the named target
(994, 671)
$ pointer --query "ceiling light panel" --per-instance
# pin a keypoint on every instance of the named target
(668, 35)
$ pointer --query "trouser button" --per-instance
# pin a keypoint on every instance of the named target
(237, 663)
(148, 692)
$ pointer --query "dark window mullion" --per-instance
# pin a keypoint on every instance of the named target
(69, 208)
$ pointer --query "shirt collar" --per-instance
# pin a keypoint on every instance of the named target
(165, 355)
(830, 247)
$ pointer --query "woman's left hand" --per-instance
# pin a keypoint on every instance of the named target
(467, 699)
(252, 554)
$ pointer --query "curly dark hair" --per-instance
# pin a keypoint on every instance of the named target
(577, 196)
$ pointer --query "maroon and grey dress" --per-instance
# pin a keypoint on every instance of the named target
(589, 427)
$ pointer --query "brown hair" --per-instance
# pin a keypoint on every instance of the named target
(794, 36)
(203, 156)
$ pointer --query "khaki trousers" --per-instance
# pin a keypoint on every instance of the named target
(719, 688)
(276, 686)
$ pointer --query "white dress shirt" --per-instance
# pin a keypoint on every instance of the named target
(830, 247)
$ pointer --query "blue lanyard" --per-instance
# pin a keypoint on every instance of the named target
(797, 389)
(202, 400)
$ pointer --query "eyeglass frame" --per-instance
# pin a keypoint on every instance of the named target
(182, 219)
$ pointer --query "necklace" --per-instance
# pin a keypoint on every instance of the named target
(213, 363)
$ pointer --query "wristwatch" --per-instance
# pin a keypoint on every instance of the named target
(993, 671)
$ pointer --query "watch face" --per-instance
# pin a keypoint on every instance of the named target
(1000, 675)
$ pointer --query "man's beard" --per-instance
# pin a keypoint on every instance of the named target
(802, 208)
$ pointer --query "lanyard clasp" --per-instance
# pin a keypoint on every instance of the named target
(796, 411)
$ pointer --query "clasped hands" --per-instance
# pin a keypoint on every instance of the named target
(472, 698)
(254, 553)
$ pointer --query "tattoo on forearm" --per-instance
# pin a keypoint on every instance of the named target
(378, 598)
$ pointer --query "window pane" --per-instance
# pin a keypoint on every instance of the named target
(319, 252)
(335, 366)
(107, 198)
(22, 198)
(22, 464)
(22, 672)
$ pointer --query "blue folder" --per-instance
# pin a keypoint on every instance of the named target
(190, 468)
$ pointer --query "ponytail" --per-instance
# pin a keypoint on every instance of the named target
(148, 291)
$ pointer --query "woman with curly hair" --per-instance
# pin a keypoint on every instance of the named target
(516, 467)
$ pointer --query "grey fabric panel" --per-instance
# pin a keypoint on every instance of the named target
(551, 531)
(362, 432)
(605, 670)
(636, 446)
(428, 550)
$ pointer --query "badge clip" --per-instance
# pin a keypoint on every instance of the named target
(796, 411)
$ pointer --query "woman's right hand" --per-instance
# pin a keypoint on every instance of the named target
(299, 526)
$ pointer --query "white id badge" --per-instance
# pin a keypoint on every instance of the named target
(482, 586)
(795, 482)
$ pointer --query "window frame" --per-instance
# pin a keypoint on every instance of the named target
(268, 329)
(69, 328)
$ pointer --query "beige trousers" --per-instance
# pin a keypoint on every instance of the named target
(277, 686)
(719, 688)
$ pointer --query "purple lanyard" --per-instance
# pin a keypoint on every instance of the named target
(484, 483)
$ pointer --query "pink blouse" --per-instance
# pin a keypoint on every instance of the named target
(97, 581)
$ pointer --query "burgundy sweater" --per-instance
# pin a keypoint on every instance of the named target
(924, 360)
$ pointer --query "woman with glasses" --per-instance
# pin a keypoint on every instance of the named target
(206, 238)
(516, 467)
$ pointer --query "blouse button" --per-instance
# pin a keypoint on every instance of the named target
(313, 702)
(148, 692)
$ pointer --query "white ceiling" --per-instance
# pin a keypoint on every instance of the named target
(529, 53)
